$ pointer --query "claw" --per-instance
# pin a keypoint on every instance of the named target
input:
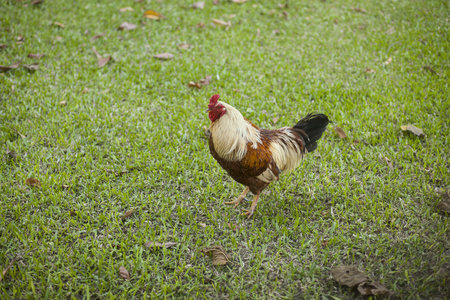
(240, 198)
(248, 213)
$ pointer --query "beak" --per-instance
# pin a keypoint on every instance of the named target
(208, 110)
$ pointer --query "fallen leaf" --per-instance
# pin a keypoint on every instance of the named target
(218, 255)
(205, 81)
(389, 163)
(194, 84)
(36, 2)
(275, 32)
(373, 288)
(284, 5)
(201, 25)
(184, 46)
(6, 270)
(340, 132)
(126, 9)
(336, 21)
(11, 154)
(388, 61)
(65, 186)
(150, 14)
(63, 103)
(324, 243)
(221, 23)
(13, 89)
(207, 131)
(160, 245)
(124, 273)
(216, 2)
(72, 213)
(428, 68)
(127, 26)
(61, 25)
(33, 182)
(234, 227)
(360, 10)
(4, 69)
(348, 275)
(103, 61)
(164, 56)
(239, 1)
(444, 205)
(20, 39)
(31, 67)
(59, 38)
(198, 5)
(285, 14)
(97, 36)
(128, 213)
(3, 46)
(258, 32)
(202, 224)
(96, 53)
(275, 120)
(37, 56)
(413, 129)
(86, 90)
(369, 70)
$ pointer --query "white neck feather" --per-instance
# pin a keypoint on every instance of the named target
(231, 133)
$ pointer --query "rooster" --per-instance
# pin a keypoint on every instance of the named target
(255, 157)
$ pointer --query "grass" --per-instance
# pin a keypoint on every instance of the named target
(342, 206)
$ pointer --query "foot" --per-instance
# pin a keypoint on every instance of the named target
(240, 198)
(249, 212)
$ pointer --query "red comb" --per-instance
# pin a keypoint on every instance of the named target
(214, 99)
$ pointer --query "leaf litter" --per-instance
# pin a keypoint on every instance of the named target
(202, 82)
(350, 276)
(413, 129)
(128, 213)
(36, 56)
(127, 26)
(218, 255)
(13, 66)
(33, 182)
(340, 132)
(153, 245)
(124, 273)
(444, 205)
(2, 275)
(102, 61)
(153, 15)
(164, 56)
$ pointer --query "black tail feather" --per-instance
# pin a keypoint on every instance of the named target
(313, 125)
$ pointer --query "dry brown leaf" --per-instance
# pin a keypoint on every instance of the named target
(275, 120)
(194, 84)
(348, 275)
(198, 5)
(103, 61)
(11, 154)
(96, 53)
(33, 182)
(239, 1)
(360, 10)
(207, 131)
(36, 2)
(184, 46)
(4, 69)
(127, 26)
(205, 81)
(221, 23)
(389, 163)
(201, 25)
(164, 56)
(216, 2)
(388, 61)
(340, 132)
(428, 68)
(13, 89)
(6, 270)
(369, 70)
(218, 255)
(20, 39)
(153, 15)
(61, 25)
(59, 38)
(63, 103)
(373, 288)
(126, 9)
(3, 46)
(65, 186)
(202, 224)
(413, 129)
(86, 90)
(31, 67)
(124, 273)
(444, 205)
(37, 56)
(128, 213)
(72, 213)
(285, 14)
(152, 244)
(97, 36)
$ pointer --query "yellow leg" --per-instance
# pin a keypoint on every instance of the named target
(249, 212)
(240, 198)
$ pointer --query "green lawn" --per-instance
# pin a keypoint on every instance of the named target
(130, 135)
